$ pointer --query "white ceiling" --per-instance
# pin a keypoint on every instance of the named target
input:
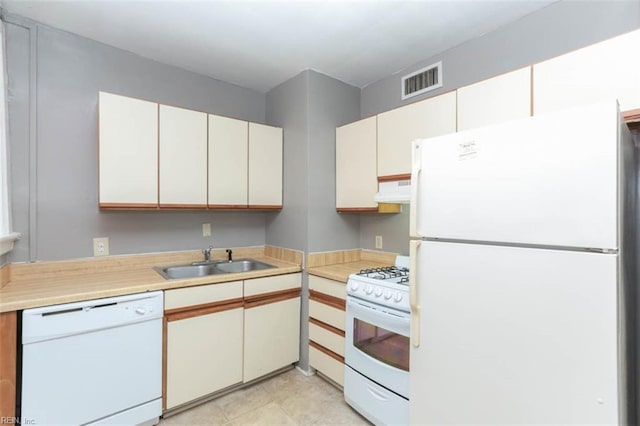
(260, 44)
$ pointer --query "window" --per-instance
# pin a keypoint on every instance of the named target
(7, 237)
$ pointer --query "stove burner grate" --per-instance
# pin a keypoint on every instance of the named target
(385, 273)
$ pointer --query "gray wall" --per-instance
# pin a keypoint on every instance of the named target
(556, 29)
(551, 31)
(287, 107)
(309, 107)
(332, 103)
(54, 79)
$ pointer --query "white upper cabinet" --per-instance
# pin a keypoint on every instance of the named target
(265, 166)
(399, 127)
(356, 178)
(183, 158)
(498, 99)
(609, 69)
(228, 165)
(128, 152)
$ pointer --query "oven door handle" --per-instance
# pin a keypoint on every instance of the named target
(413, 293)
(397, 322)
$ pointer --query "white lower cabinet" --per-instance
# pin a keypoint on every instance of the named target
(271, 324)
(326, 327)
(221, 335)
(204, 354)
(204, 341)
(272, 336)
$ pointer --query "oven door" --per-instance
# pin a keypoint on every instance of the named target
(377, 344)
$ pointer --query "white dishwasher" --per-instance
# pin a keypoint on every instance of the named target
(94, 362)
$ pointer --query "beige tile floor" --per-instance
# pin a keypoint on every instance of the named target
(290, 398)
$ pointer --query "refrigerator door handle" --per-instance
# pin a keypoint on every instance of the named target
(416, 168)
(413, 293)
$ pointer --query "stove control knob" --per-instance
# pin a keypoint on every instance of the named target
(368, 289)
(354, 286)
(398, 297)
(378, 292)
(388, 294)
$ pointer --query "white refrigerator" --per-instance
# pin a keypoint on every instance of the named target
(523, 273)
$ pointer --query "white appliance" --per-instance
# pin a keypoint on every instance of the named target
(376, 379)
(523, 292)
(94, 362)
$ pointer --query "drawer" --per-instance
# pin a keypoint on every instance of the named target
(271, 284)
(327, 338)
(326, 286)
(202, 294)
(327, 314)
(327, 365)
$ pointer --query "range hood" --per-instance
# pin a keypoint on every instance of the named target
(395, 192)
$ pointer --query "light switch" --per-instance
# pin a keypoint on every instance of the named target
(206, 229)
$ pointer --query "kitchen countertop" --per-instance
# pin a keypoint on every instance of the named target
(339, 265)
(49, 283)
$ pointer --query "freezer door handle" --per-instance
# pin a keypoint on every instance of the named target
(416, 168)
(413, 293)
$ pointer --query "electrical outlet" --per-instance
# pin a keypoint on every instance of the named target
(378, 241)
(206, 229)
(101, 246)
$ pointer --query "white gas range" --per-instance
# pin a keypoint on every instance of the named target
(377, 343)
(387, 286)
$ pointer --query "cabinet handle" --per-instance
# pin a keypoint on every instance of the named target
(199, 310)
(273, 297)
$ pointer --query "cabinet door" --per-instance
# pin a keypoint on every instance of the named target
(502, 98)
(183, 158)
(604, 70)
(271, 324)
(204, 354)
(265, 166)
(271, 336)
(228, 168)
(399, 127)
(356, 159)
(128, 152)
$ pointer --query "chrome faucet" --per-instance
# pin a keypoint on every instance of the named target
(207, 254)
(229, 254)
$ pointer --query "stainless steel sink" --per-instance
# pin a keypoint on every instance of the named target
(204, 269)
(242, 265)
(188, 271)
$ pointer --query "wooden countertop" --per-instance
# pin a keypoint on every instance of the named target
(339, 265)
(49, 283)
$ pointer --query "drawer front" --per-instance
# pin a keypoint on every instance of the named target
(327, 314)
(326, 338)
(202, 294)
(330, 367)
(326, 286)
(271, 284)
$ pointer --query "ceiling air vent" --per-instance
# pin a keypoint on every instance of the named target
(422, 81)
